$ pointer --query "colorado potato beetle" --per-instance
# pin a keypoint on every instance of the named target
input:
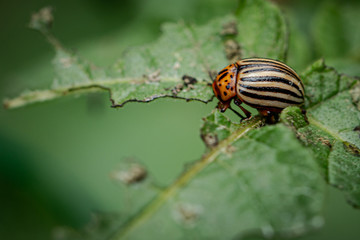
(265, 84)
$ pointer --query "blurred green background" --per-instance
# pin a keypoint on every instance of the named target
(55, 157)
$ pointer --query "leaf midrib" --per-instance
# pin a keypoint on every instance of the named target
(152, 207)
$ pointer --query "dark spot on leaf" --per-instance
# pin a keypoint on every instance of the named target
(232, 50)
(153, 77)
(135, 173)
(42, 20)
(189, 80)
(177, 89)
(187, 214)
(230, 149)
(352, 148)
(326, 142)
(229, 28)
(357, 128)
(355, 95)
(210, 140)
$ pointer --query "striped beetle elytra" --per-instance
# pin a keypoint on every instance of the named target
(265, 84)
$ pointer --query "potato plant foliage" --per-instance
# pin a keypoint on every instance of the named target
(254, 179)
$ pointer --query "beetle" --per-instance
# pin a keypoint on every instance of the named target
(265, 84)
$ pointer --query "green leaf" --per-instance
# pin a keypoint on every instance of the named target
(262, 30)
(145, 73)
(329, 34)
(336, 35)
(331, 127)
(299, 51)
(157, 70)
(216, 128)
(253, 182)
(138, 189)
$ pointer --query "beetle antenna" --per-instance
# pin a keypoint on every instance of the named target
(211, 78)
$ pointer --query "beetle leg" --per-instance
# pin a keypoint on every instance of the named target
(222, 106)
(263, 112)
(237, 113)
(272, 118)
(238, 103)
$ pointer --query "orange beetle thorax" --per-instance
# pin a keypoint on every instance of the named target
(225, 82)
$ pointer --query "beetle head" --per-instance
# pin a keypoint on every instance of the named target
(224, 86)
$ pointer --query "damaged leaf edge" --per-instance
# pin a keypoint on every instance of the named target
(44, 95)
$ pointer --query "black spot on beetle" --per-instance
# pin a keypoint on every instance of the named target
(219, 84)
(225, 93)
(222, 76)
(232, 89)
(222, 71)
(226, 80)
(228, 86)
